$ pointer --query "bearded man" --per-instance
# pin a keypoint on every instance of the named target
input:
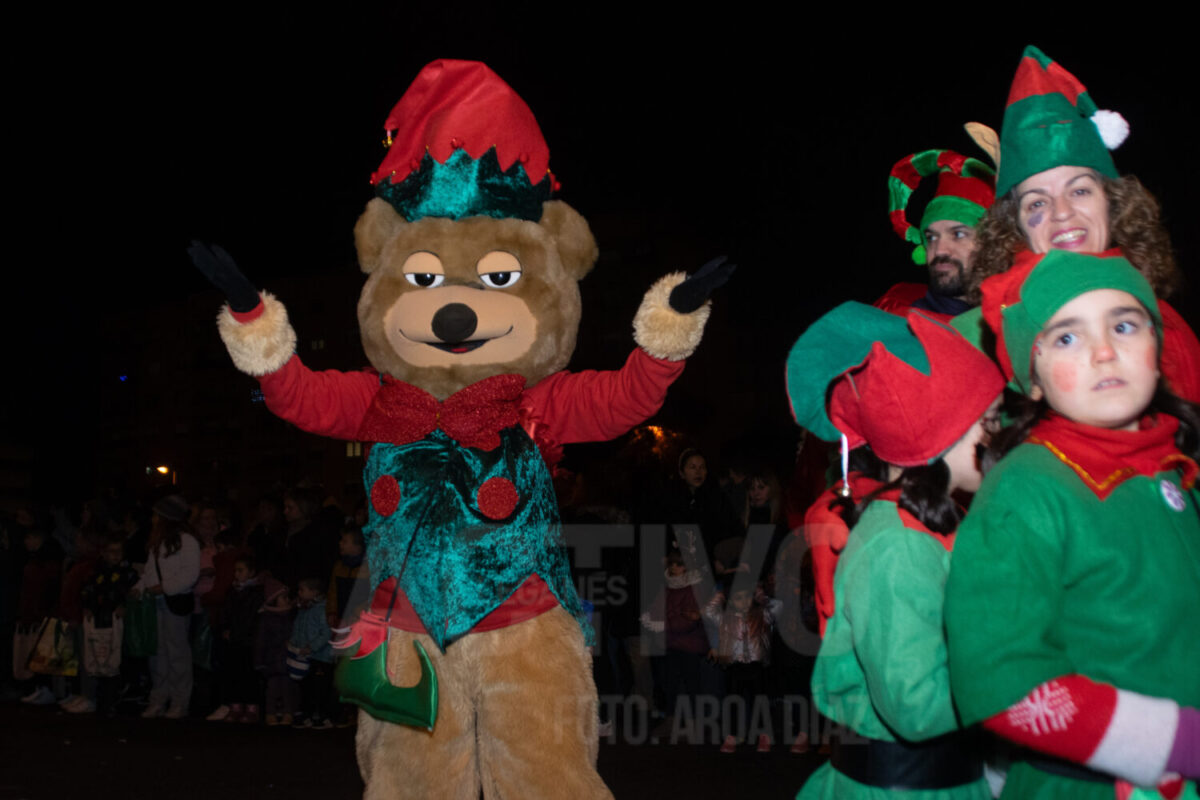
(945, 238)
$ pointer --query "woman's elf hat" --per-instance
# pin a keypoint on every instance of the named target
(965, 191)
(462, 143)
(1051, 121)
(1018, 303)
(909, 387)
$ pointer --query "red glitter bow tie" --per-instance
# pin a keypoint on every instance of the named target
(402, 413)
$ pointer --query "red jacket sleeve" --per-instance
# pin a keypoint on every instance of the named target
(593, 406)
(1180, 355)
(825, 532)
(329, 403)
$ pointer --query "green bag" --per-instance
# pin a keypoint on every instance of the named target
(141, 627)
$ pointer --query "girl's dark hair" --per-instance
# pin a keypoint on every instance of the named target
(863, 461)
(169, 534)
(249, 560)
(1026, 413)
(924, 492)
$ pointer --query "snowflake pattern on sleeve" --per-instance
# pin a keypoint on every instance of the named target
(1047, 708)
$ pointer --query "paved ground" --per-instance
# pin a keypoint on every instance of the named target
(46, 754)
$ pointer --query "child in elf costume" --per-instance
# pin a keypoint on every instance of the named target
(1071, 608)
(920, 396)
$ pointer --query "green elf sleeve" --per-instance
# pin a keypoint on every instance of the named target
(1003, 596)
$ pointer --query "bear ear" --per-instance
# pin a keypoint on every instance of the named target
(376, 227)
(572, 237)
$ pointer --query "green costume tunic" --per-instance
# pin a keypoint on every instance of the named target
(1050, 580)
(881, 670)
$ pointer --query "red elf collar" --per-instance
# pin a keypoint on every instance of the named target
(1104, 458)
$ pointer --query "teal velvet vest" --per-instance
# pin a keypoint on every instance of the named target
(459, 552)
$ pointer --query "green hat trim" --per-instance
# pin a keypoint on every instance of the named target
(837, 342)
(467, 187)
(947, 206)
(1059, 278)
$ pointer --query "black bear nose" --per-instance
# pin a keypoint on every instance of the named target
(454, 322)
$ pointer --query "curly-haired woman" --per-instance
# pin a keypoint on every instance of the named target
(1057, 188)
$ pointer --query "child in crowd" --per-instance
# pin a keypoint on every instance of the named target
(81, 688)
(348, 594)
(744, 648)
(270, 653)
(239, 623)
(1072, 606)
(310, 638)
(342, 607)
(687, 644)
(224, 560)
(921, 397)
(40, 579)
(103, 600)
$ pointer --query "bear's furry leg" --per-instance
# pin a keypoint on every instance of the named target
(399, 761)
(516, 716)
(537, 713)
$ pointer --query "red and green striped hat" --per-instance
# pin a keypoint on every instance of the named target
(965, 191)
(1051, 121)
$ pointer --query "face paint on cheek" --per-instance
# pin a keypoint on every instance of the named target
(1036, 219)
(1064, 376)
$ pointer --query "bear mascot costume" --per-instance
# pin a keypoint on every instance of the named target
(471, 667)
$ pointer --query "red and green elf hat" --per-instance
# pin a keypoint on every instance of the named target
(1018, 303)
(462, 143)
(1050, 121)
(965, 191)
(909, 387)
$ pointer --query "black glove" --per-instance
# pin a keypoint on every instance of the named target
(691, 294)
(221, 270)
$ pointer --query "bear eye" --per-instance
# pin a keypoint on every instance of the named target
(426, 280)
(498, 280)
(424, 269)
(498, 269)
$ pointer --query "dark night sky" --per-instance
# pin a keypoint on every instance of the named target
(766, 138)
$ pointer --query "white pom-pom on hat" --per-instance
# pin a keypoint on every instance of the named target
(1112, 126)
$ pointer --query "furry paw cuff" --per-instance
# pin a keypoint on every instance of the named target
(262, 345)
(661, 330)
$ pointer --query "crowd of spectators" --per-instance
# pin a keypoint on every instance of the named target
(178, 607)
(172, 608)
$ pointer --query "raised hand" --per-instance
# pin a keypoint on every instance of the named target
(222, 271)
(693, 292)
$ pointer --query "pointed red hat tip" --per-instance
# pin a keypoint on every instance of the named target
(910, 418)
(468, 100)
